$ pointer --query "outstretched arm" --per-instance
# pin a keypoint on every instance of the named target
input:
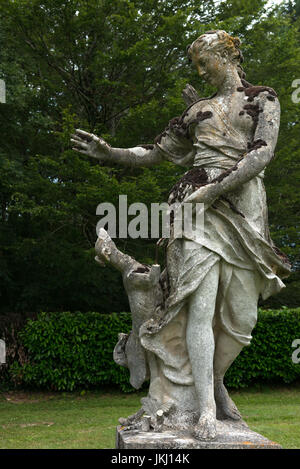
(96, 147)
(259, 155)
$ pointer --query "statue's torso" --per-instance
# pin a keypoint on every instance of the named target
(221, 131)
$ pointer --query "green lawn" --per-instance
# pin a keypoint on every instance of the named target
(72, 420)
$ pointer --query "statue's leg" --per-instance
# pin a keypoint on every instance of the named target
(239, 312)
(227, 349)
(200, 344)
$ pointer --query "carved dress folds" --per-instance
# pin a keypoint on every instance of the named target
(235, 235)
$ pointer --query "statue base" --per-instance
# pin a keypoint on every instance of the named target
(230, 435)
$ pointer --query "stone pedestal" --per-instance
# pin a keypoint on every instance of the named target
(230, 435)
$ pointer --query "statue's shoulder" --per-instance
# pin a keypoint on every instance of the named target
(199, 110)
(254, 92)
(179, 126)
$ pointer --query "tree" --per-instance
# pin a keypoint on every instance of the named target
(116, 69)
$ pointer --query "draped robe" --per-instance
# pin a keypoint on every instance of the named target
(235, 234)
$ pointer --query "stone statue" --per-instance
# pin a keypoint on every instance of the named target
(192, 320)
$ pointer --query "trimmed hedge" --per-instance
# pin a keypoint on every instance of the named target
(10, 326)
(67, 351)
(269, 356)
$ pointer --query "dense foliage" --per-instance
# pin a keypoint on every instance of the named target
(71, 350)
(117, 68)
(66, 351)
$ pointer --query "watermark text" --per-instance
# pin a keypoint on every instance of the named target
(296, 353)
(161, 221)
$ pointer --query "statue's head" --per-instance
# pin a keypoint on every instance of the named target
(214, 53)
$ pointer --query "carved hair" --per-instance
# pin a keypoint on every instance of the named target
(220, 43)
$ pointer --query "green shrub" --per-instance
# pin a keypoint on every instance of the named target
(269, 356)
(67, 351)
(72, 350)
(10, 326)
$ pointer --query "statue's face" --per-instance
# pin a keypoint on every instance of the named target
(210, 66)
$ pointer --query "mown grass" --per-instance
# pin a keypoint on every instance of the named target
(88, 420)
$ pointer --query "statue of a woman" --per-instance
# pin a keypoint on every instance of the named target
(213, 285)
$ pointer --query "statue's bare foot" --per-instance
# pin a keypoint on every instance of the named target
(226, 408)
(206, 427)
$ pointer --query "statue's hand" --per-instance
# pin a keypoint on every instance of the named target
(206, 195)
(90, 144)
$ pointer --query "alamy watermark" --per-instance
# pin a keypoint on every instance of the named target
(296, 353)
(296, 93)
(136, 221)
(2, 92)
(2, 352)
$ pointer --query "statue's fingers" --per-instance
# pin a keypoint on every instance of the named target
(76, 137)
(97, 139)
(84, 135)
(189, 199)
(80, 151)
(81, 145)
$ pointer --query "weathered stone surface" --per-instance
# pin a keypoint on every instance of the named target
(190, 321)
(230, 435)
